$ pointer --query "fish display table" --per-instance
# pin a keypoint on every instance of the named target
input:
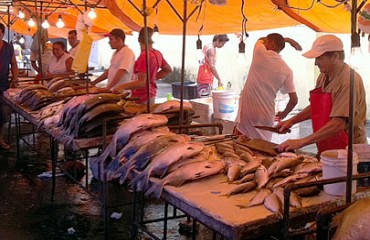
(203, 201)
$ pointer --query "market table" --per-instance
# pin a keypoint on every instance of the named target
(203, 201)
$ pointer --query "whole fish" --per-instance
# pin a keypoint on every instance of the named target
(246, 178)
(132, 147)
(202, 156)
(261, 176)
(143, 156)
(353, 222)
(294, 200)
(185, 173)
(257, 199)
(290, 179)
(122, 135)
(273, 203)
(250, 167)
(311, 167)
(233, 172)
(172, 105)
(241, 188)
(160, 163)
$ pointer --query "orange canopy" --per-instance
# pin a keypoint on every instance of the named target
(168, 15)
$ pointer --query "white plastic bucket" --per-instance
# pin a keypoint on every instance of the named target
(224, 105)
(335, 165)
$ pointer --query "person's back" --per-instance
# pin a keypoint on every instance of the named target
(268, 74)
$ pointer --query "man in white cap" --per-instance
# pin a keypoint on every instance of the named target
(329, 101)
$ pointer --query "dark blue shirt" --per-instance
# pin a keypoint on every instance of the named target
(6, 54)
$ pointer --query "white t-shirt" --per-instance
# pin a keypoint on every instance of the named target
(123, 59)
(267, 75)
(74, 50)
(58, 66)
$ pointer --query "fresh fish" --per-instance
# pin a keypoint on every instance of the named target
(160, 163)
(132, 147)
(273, 203)
(250, 167)
(287, 155)
(312, 167)
(290, 179)
(294, 201)
(241, 188)
(233, 172)
(261, 176)
(172, 105)
(246, 178)
(142, 157)
(257, 199)
(188, 172)
(283, 163)
(353, 222)
(242, 147)
(122, 135)
(246, 156)
(230, 154)
(202, 156)
(307, 191)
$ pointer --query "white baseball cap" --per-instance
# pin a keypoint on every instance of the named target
(323, 44)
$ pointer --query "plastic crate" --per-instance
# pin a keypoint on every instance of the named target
(190, 90)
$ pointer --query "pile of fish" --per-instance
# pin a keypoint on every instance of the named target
(34, 97)
(83, 116)
(267, 175)
(143, 147)
(49, 115)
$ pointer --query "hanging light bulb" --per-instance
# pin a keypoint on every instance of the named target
(21, 40)
(60, 23)
(31, 22)
(21, 14)
(155, 33)
(92, 14)
(356, 59)
(45, 24)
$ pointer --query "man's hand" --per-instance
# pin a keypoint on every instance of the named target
(14, 83)
(291, 144)
(283, 126)
(220, 84)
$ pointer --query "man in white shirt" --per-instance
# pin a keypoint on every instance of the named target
(122, 61)
(268, 74)
(74, 42)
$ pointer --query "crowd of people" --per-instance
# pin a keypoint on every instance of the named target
(268, 74)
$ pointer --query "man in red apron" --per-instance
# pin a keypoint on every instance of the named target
(329, 101)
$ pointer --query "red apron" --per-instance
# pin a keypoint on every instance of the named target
(321, 105)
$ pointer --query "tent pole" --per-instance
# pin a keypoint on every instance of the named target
(147, 57)
(351, 108)
(185, 19)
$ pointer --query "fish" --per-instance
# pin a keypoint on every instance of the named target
(283, 163)
(233, 172)
(202, 156)
(273, 204)
(132, 147)
(230, 154)
(171, 105)
(290, 179)
(257, 199)
(261, 177)
(185, 173)
(241, 188)
(246, 178)
(160, 164)
(353, 222)
(143, 156)
(307, 191)
(121, 137)
(250, 167)
(311, 167)
(294, 200)
(243, 148)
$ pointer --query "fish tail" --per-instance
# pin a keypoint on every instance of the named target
(156, 189)
(123, 172)
(140, 182)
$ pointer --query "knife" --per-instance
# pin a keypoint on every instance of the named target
(272, 129)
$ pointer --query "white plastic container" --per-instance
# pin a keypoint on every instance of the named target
(335, 165)
(224, 105)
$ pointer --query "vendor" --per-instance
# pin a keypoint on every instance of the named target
(7, 62)
(159, 68)
(329, 101)
(60, 63)
(121, 64)
(74, 42)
